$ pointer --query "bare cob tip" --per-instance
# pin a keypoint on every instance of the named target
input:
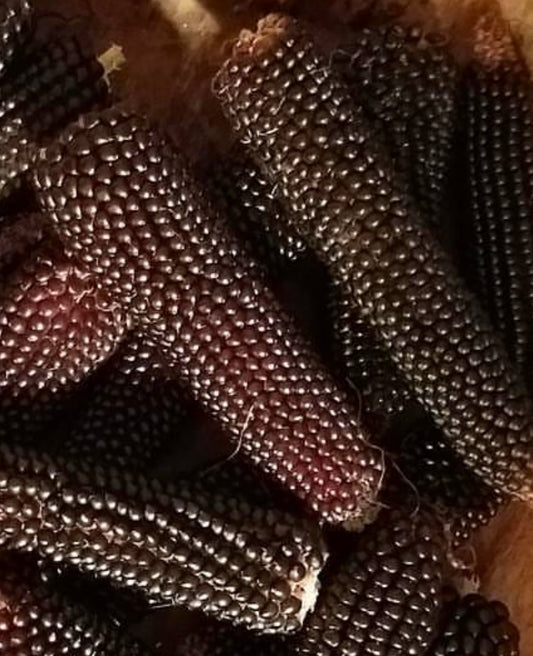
(307, 591)
(269, 32)
(493, 42)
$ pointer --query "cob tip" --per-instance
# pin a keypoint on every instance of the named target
(493, 43)
(268, 32)
(307, 591)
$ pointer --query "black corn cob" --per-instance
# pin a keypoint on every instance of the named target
(52, 86)
(132, 411)
(37, 618)
(156, 245)
(185, 546)
(408, 87)
(302, 125)
(15, 23)
(477, 627)
(249, 201)
(499, 133)
(364, 362)
(385, 597)
(55, 328)
(462, 500)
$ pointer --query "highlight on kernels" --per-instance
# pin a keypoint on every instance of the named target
(276, 396)
(300, 123)
(186, 545)
(152, 239)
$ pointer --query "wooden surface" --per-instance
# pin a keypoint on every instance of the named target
(172, 47)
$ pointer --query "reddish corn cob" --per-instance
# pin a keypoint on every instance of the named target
(460, 498)
(52, 86)
(173, 264)
(185, 546)
(55, 326)
(319, 148)
(477, 627)
(385, 597)
(133, 410)
(499, 127)
(15, 21)
(36, 618)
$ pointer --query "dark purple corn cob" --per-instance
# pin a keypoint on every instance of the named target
(123, 201)
(37, 618)
(364, 362)
(462, 500)
(187, 545)
(55, 328)
(385, 597)
(52, 86)
(301, 124)
(224, 640)
(499, 126)
(15, 21)
(408, 87)
(249, 202)
(132, 411)
(477, 627)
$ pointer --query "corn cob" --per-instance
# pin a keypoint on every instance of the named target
(249, 201)
(408, 87)
(385, 597)
(15, 23)
(477, 627)
(133, 410)
(32, 419)
(363, 361)
(499, 127)
(180, 546)
(53, 85)
(122, 607)
(55, 327)
(461, 499)
(304, 129)
(36, 618)
(155, 244)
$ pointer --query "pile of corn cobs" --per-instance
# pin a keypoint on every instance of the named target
(366, 444)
